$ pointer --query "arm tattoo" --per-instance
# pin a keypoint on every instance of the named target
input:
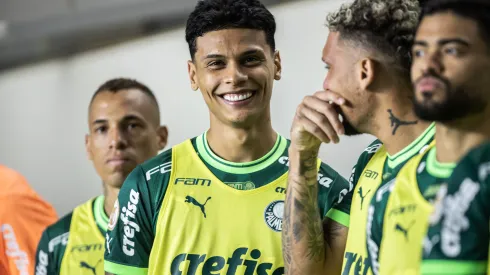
(302, 224)
(396, 122)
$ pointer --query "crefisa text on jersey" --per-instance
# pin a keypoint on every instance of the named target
(130, 227)
(236, 264)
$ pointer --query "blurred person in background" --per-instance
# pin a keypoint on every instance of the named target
(124, 131)
(367, 55)
(438, 214)
(24, 215)
(214, 203)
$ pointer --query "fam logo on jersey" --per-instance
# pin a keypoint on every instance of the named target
(273, 215)
(114, 216)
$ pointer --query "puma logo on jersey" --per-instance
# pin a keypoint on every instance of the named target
(190, 199)
(396, 122)
(360, 195)
(87, 266)
(402, 230)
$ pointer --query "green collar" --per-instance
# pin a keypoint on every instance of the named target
(437, 169)
(217, 162)
(100, 216)
(413, 148)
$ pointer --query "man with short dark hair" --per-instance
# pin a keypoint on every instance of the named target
(214, 204)
(124, 131)
(438, 208)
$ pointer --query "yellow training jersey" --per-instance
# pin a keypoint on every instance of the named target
(204, 224)
(375, 168)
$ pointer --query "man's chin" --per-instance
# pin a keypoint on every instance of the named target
(116, 180)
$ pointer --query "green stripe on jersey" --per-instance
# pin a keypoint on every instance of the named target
(413, 148)
(210, 157)
(339, 216)
(432, 267)
(124, 269)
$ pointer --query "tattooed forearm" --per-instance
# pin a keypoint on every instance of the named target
(303, 241)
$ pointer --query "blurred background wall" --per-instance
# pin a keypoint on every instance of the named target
(44, 92)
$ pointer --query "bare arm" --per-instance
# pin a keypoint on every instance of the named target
(310, 245)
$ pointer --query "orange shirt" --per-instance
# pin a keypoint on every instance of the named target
(23, 218)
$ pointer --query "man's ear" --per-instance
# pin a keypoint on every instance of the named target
(191, 70)
(162, 133)
(277, 65)
(366, 73)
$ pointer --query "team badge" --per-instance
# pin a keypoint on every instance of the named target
(273, 215)
(114, 216)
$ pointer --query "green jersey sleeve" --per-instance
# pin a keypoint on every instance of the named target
(52, 246)
(131, 229)
(331, 201)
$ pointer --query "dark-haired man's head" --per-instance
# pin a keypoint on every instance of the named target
(124, 129)
(233, 59)
(368, 51)
(451, 60)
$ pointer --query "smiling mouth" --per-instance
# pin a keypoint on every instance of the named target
(238, 97)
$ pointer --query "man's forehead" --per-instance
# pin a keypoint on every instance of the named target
(236, 40)
(446, 25)
(109, 105)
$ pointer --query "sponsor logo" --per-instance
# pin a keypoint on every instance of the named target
(323, 180)
(130, 226)
(273, 215)
(239, 260)
(355, 264)
(87, 248)
(60, 239)
(455, 220)
(248, 185)
(162, 168)
(351, 186)
(42, 263)
(13, 249)
(192, 181)
(281, 190)
(371, 244)
(370, 174)
(114, 215)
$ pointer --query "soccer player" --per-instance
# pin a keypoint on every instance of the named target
(23, 217)
(124, 131)
(214, 204)
(445, 190)
(367, 55)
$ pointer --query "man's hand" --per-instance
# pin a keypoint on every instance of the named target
(317, 121)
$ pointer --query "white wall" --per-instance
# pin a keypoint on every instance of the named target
(43, 107)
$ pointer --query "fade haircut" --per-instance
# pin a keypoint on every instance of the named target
(477, 10)
(215, 15)
(119, 84)
(384, 27)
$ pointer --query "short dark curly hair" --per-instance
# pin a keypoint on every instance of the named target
(119, 84)
(214, 15)
(386, 27)
(477, 10)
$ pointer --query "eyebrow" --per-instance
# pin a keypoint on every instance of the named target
(249, 52)
(443, 42)
(125, 118)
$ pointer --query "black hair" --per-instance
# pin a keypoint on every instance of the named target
(477, 10)
(119, 84)
(214, 15)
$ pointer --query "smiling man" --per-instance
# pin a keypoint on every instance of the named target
(214, 204)
(124, 131)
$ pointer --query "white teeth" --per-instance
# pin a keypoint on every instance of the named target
(237, 97)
